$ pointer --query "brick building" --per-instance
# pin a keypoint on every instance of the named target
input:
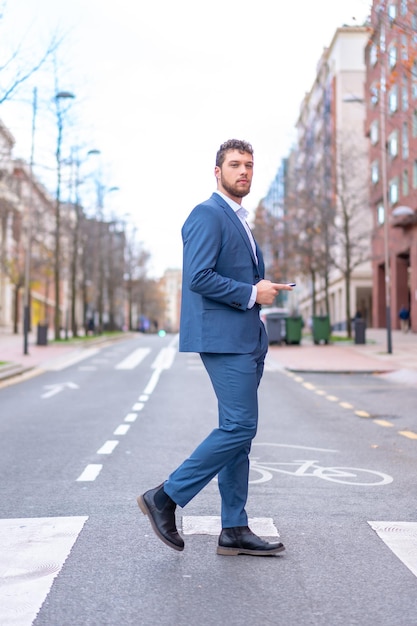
(391, 125)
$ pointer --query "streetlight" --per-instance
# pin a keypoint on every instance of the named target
(61, 95)
(26, 309)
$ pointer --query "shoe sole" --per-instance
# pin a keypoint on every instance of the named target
(145, 510)
(236, 551)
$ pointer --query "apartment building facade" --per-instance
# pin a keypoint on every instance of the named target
(329, 184)
(391, 125)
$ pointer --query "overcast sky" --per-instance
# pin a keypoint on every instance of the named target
(159, 85)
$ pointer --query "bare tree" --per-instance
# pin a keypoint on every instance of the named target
(353, 218)
(18, 65)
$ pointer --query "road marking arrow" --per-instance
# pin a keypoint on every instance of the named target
(54, 389)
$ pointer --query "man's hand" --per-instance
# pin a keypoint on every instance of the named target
(267, 291)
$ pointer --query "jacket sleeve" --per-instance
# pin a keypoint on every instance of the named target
(206, 269)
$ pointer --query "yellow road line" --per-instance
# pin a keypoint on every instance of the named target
(362, 414)
(384, 423)
(346, 405)
(408, 433)
(309, 386)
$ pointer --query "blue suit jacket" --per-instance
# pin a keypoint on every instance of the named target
(219, 269)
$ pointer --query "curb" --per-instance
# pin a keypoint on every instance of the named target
(12, 369)
(298, 370)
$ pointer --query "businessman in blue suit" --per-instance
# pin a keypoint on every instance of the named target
(222, 293)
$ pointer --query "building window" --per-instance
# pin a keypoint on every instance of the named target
(415, 174)
(405, 183)
(392, 55)
(374, 91)
(393, 191)
(392, 10)
(393, 144)
(380, 214)
(414, 80)
(415, 123)
(405, 144)
(375, 172)
(374, 131)
(404, 48)
(403, 7)
(393, 99)
(373, 54)
(404, 94)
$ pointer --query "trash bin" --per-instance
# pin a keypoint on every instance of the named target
(321, 329)
(293, 329)
(274, 327)
(42, 338)
(360, 328)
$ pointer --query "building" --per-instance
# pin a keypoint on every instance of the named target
(10, 222)
(171, 285)
(391, 125)
(328, 203)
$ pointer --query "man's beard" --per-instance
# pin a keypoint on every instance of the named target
(234, 190)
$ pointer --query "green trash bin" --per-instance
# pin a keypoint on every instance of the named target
(321, 329)
(293, 329)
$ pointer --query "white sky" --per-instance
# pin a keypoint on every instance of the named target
(161, 84)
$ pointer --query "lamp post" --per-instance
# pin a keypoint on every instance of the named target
(28, 251)
(61, 95)
(384, 177)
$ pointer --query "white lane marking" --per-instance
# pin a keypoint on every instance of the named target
(152, 383)
(138, 406)
(90, 473)
(122, 429)
(71, 359)
(143, 398)
(130, 417)
(57, 388)
(164, 359)
(211, 525)
(32, 553)
(108, 447)
(401, 538)
(133, 359)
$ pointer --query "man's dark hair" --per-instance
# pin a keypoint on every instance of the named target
(232, 144)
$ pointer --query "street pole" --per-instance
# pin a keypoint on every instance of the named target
(26, 310)
(384, 181)
(57, 254)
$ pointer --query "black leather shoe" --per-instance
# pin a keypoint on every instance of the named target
(162, 520)
(241, 540)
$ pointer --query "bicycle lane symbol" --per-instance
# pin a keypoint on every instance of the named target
(263, 471)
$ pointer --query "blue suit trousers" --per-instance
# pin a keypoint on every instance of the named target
(225, 452)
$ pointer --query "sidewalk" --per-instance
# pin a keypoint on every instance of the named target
(338, 357)
(38, 357)
(342, 357)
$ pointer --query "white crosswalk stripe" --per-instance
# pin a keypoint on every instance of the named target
(211, 525)
(32, 552)
(401, 538)
(133, 359)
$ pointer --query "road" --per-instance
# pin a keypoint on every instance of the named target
(78, 444)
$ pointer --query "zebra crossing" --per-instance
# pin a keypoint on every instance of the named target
(34, 550)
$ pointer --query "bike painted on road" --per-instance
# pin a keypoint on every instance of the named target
(263, 471)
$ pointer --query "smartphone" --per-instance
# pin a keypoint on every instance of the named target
(292, 284)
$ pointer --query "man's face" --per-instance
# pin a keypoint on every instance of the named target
(234, 177)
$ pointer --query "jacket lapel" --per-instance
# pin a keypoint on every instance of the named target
(236, 221)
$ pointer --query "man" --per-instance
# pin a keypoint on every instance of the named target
(223, 290)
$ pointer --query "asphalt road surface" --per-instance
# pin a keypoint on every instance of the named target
(332, 473)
